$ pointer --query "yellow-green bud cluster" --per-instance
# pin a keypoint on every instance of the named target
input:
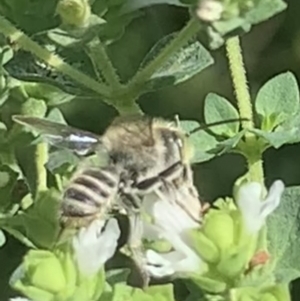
(236, 8)
(53, 276)
(224, 246)
(74, 12)
(279, 292)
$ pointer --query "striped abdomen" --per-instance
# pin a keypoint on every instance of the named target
(90, 193)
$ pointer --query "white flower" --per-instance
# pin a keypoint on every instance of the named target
(171, 221)
(254, 209)
(94, 245)
(19, 299)
(210, 10)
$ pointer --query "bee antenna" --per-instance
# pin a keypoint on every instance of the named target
(208, 125)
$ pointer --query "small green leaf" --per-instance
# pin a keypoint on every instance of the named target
(218, 108)
(286, 133)
(229, 144)
(184, 64)
(61, 160)
(277, 100)
(56, 116)
(39, 223)
(265, 9)
(202, 142)
(52, 95)
(224, 27)
(283, 234)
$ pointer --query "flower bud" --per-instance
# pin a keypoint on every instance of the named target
(234, 262)
(47, 273)
(34, 107)
(268, 297)
(51, 276)
(210, 285)
(280, 292)
(74, 12)
(246, 298)
(206, 249)
(42, 276)
(219, 227)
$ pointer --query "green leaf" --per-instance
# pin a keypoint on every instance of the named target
(17, 233)
(133, 5)
(61, 160)
(184, 64)
(284, 236)
(56, 116)
(52, 95)
(8, 179)
(2, 238)
(286, 133)
(218, 108)
(277, 100)
(26, 156)
(224, 27)
(229, 144)
(265, 9)
(202, 142)
(38, 224)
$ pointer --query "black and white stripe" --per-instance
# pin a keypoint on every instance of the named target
(90, 192)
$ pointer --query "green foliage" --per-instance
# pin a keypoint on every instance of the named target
(185, 63)
(284, 92)
(76, 40)
(284, 244)
(217, 109)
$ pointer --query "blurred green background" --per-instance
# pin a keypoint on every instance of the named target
(270, 48)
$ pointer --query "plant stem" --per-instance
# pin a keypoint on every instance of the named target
(238, 74)
(41, 158)
(98, 55)
(180, 40)
(17, 36)
(107, 93)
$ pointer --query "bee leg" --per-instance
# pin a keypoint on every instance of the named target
(154, 183)
(136, 247)
(132, 203)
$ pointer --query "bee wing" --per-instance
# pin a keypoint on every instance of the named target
(60, 135)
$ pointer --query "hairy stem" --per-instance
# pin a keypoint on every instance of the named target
(134, 86)
(26, 43)
(238, 74)
(107, 93)
(96, 51)
(41, 158)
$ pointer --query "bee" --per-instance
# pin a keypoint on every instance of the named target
(144, 155)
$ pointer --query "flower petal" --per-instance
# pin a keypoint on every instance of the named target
(93, 247)
(253, 208)
(168, 215)
(182, 259)
(210, 10)
(273, 198)
(19, 299)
